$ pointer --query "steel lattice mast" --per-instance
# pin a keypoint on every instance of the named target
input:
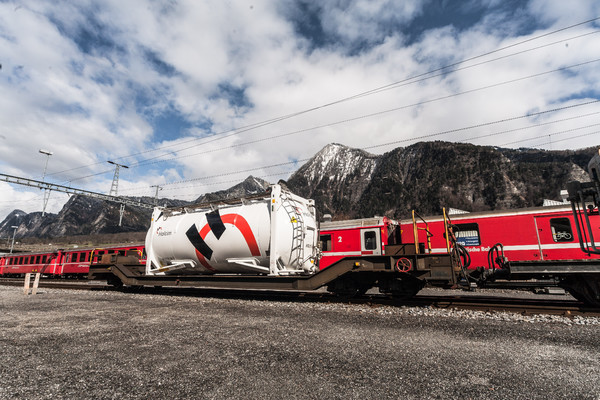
(69, 190)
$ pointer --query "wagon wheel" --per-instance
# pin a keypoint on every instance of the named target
(402, 288)
(349, 287)
(584, 289)
(114, 281)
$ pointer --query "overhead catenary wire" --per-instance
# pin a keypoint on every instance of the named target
(367, 93)
(356, 96)
(134, 165)
(428, 136)
(159, 159)
(562, 140)
(290, 171)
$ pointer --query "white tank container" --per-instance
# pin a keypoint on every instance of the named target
(275, 234)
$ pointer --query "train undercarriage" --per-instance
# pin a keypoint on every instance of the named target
(400, 273)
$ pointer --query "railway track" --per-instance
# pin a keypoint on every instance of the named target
(566, 308)
(484, 303)
(59, 284)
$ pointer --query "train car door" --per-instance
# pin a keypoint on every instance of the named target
(556, 238)
(370, 241)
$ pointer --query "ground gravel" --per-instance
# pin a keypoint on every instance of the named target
(112, 345)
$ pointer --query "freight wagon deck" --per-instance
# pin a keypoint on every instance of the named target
(400, 273)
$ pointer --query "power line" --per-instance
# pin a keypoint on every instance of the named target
(556, 133)
(562, 140)
(157, 159)
(356, 96)
(427, 136)
(144, 163)
(479, 125)
(529, 127)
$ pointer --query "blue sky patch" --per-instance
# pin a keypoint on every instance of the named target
(170, 125)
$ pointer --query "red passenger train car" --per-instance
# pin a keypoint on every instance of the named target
(357, 237)
(60, 263)
(529, 234)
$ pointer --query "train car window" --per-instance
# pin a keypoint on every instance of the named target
(467, 234)
(38, 259)
(144, 253)
(325, 242)
(561, 230)
(370, 240)
(121, 252)
(20, 261)
(44, 258)
(81, 257)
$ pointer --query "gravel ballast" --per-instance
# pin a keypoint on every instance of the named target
(113, 345)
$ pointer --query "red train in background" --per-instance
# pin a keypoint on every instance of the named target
(61, 263)
(357, 237)
(530, 234)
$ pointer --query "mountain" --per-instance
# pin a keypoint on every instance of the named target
(248, 187)
(350, 183)
(336, 178)
(83, 215)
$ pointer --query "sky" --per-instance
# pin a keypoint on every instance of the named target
(194, 96)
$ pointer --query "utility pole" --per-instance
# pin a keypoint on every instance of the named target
(156, 194)
(13, 239)
(115, 187)
(46, 191)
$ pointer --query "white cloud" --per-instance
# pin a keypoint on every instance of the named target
(88, 80)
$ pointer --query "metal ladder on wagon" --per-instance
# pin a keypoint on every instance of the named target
(297, 252)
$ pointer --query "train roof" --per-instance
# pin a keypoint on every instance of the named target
(356, 223)
(72, 250)
(501, 213)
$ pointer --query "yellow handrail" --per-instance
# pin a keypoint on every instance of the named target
(447, 233)
(416, 232)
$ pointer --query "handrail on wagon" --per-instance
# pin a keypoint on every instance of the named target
(428, 234)
(446, 229)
